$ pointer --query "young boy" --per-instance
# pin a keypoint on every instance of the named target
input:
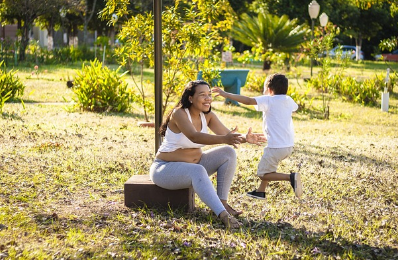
(277, 110)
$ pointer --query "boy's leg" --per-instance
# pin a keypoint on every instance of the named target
(294, 178)
(267, 166)
(267, 172)
(272, 176)
(259, 193)
(295, 181)
(263, 185)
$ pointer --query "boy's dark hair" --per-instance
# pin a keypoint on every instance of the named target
(278, 83)
(184, 102)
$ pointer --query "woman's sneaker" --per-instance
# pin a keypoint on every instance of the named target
(295, 181)
(257, 195)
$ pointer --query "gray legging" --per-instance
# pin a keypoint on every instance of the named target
(182, 175)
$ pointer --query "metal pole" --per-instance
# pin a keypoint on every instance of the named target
(157, 11)
(312, 38)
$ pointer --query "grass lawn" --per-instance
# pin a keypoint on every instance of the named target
(62, 176)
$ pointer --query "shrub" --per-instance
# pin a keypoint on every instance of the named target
(393, 82)
(10, 86)
(100, 89)
(299, 98)
(380, 82)
(255, 81)
(365, 93)
(73, 54)
(7, 48)
(62, 55)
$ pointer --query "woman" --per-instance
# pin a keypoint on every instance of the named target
(180, 161)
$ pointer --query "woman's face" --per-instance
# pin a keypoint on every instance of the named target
(201, 100)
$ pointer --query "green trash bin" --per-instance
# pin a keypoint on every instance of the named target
(232, 80)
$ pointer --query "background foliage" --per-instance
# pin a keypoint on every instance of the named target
(100, 89)
(62, 174)
(10, 85)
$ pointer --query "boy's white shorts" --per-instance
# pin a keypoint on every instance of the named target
(271, 158)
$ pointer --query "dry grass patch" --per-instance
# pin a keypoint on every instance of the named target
(62, 176)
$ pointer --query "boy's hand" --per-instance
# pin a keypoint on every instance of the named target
(219, 92)
(255, 138)
(234, 138)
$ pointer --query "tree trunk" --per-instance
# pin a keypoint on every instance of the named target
(73, 40)
(112, 36)
(24, 42)
(287, 64)
(85, 31)
(358, 43)
(50, 34)
(267, 65)
(86, 20)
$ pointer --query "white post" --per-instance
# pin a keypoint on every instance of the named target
(384, 101)
(385, 96)
(65, 35)
(358, 53)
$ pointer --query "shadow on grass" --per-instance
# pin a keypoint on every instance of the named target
(172, 242)
(13, 116)
(175, 241)
(157, 233)
(70, 108)
(319, 243)
(339, 155)
(393, 95)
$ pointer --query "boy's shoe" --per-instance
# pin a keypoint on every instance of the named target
(257, 195)
(295, 181)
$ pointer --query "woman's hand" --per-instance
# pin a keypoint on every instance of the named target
(233, 138)
(255, 138)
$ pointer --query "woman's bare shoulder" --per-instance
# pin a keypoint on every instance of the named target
(209, 116)
(178, 112)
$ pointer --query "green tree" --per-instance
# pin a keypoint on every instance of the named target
(25, 13)
(357, 19)
(83, 10)
(240, 6)
(391, 42)
(270, 33)
(50, 20)
(137, 50)
(192, 35)
(360, 20)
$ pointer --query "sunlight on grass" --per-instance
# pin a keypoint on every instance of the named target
(62, 176)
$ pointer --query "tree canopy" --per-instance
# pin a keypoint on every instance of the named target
(268, 32)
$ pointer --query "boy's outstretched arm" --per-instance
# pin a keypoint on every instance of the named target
(255, 138)
(241, 99)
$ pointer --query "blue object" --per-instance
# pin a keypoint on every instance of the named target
(232, 80)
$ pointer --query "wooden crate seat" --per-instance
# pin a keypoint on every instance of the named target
(139, 190)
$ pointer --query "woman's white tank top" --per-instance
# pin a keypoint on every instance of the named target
(173, 141)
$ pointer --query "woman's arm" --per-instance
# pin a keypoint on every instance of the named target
(215, 124)
(219, 128)
(224, 136)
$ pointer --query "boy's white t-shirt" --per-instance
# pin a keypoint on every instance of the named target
(277, 119)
